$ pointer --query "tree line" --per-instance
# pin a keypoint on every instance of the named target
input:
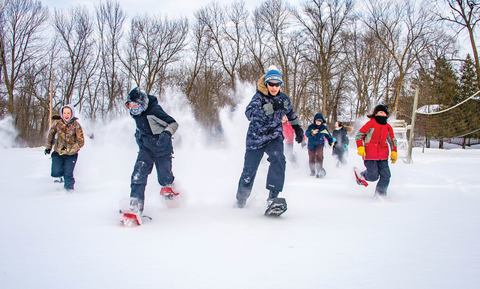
(337, 57)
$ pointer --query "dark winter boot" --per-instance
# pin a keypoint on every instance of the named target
(272, 195)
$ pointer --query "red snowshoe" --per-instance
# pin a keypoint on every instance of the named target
(172, 199)
(359, 177)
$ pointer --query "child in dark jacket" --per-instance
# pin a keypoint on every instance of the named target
(340, 144)
(373, 142)
(316, 134)
(154, 138)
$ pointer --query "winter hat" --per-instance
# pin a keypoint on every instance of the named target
(319, 116)
(72, 108)
(273, 75)
(381, 107)
(139, 97)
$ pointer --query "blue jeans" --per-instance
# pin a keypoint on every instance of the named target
(378, 170)
(62, 166)
(276, 170)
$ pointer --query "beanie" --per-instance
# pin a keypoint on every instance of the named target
(273, 75)
(380, 107)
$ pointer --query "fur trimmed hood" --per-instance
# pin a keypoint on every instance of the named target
(262, 87)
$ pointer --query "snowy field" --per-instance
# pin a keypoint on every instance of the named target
(334, 235)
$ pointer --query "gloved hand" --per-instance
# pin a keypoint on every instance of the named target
(63, 151)
(361, 151)
(393, 157)
(47, 151)
(268, 108)
(304, 143)
(298, 133)
(345, 147)
(164, 138)
(279, 104)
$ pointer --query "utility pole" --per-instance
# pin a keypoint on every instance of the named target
(51, 101)
(412, 127)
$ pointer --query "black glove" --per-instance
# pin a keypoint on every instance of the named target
(47, 151)
(298, 133)
(164, 138)
(279, 104)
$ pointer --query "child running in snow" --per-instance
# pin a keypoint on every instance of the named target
(373, 141)
(154, 139)
(316, 134)
(289, 134)
(265, 135)
(69, 140)
(340, 144)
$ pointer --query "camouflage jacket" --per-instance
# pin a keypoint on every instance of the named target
(69, 136)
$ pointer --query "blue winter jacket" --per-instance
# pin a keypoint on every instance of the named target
(318, 139)
(150, 124)
(262, 128)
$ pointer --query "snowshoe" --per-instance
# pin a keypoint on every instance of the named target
(171, 198)
(131, 218)
(321, 173)
(360, 179)
(277, 207)
(58, 180)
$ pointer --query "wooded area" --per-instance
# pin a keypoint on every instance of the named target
(337, 57)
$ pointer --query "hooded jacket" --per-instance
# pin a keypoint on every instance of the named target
(69, 135)
(316, 140)
(150, 124)
(376, 138)
(341, 139)
(265, 128)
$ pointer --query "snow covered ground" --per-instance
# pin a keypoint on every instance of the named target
(334, 234)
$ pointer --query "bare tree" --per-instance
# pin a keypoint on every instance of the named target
(154, 43)
(226, 26)
(21, 25)
(403, 30)
(74, 29)
(464, 14)
(110, 19)
(323, 21)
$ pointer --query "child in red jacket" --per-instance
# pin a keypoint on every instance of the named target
(373, 142)
(289, 135)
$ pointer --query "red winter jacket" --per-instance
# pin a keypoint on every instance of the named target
(376, 138)
(288, 132)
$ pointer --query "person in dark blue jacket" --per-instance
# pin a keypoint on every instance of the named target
(265, 135)
(316, 134)
(154, 138)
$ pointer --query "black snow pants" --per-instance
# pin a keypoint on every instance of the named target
(276, 170)
(62, 166)
(378, 169)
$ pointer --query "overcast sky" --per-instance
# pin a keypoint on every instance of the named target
(169, 7)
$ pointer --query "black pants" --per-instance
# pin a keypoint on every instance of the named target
(143, 167)
(378, 170)
(62, 166)
(276, 170)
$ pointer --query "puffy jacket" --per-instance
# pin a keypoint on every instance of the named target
(262, 128)
(376, 139)
(316, 140)
(150, 124)
(69, 136)
(288, 132)
(341, 139)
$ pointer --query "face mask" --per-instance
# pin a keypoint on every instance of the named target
(136, 111)
(381, 119)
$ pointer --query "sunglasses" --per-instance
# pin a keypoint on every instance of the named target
(272, 84)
